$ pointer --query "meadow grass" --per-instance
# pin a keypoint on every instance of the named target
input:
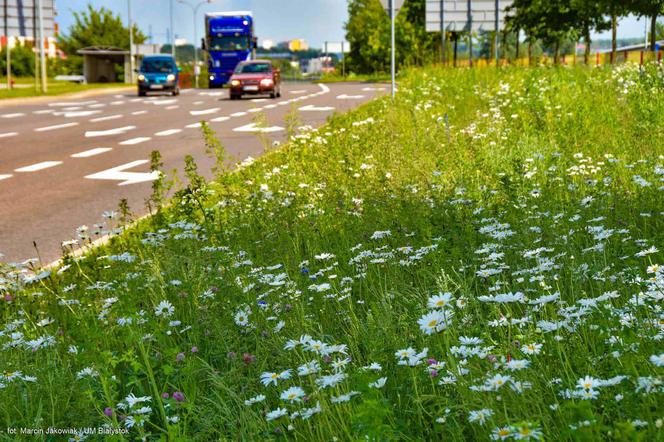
(54, 88)
(476, 260)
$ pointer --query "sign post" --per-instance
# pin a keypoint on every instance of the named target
(392, 7)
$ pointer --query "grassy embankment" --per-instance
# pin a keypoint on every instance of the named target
(477, 259)
(24, 87)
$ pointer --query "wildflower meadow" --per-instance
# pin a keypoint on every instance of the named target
(478, 259)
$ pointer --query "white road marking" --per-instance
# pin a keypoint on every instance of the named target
(259, 100)
(312, 108)
(74, 114)
(239, 114)
(68, 104)
(193, 126)
(96, 106)
(110, 117)
(117, 103)
(44, 111)
(8, 134)
(106, 133)
(91, 152)
(175, 106)
(323, 88)
(163, 102)
(205, 111)
(369, 89)
(270, 106)
(139, 112)
(118, 174)
(196, 103)
(349, 97)
(16, 115)
(254, 110)
(220, 119)
(165, 133)
(72, 108)
(4, 177)
(57, 126)
(38, 166)
(210, 94)
(254, 128)
(133, 141)
(303, 91)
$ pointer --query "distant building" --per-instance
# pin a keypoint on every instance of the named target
(294, 45)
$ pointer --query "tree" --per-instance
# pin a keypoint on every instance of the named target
(22, 61)
(96, 28)
(588, 16)
(614, 9)
(648, 8)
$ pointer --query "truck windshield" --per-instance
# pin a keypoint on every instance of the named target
(229, 43)
(252, 68)
(157, 66)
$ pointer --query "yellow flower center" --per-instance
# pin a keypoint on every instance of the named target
(433, 323)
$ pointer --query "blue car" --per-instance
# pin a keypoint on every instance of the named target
(158, 73)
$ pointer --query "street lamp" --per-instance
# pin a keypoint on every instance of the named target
(195, 11)
(131, 43)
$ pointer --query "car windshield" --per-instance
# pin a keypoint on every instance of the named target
(253, 68)
(159, 66)
(229, 43)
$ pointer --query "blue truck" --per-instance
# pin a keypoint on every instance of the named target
(229, 39)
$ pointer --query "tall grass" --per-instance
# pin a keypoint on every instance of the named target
(476, 260)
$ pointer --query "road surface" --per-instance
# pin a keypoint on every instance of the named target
(64, 162)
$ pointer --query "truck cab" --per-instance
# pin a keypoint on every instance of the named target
(229, 40)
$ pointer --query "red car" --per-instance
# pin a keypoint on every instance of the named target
(257, 77)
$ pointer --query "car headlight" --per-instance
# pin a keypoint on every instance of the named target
(211, 77)
(235, 83)
(266, 82)
(170, 77)
(141, 77)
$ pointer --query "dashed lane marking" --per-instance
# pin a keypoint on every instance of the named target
(175, 106)
(4, 177)
(312, 108)
(239, 114)
(8, 134)
(133, 141)
(254, 128)
(70, 103)
(106, 133)
(205, 111)
(74, 114)
(16, 115)
(193, 126)
(349, 97)
(108, 118)
(39, 166)
(57, 126)
(220, 119)
(141, 112)
(254, 110)
(165, 133)
(91, 152)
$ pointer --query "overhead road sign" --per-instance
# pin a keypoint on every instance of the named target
(398, 4)
(21, 18)
(464, 15)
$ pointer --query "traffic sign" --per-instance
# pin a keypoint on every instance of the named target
(20, 18)
(464, 15)
(397, 5)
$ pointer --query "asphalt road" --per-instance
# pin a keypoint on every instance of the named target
(64, 162)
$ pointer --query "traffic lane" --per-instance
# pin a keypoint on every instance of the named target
(53, 215)
(139, 123)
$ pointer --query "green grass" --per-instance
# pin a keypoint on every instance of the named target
(54, 88)
(532, 197)
(336, 77)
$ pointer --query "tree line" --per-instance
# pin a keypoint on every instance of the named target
(551, 26)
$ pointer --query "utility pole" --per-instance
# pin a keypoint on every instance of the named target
(195, 12)
(131, 43)
(470, 34)
(495, 43)
(9, 52)
(42, 56)
(393, 63)
(442, 29)
(172, 32)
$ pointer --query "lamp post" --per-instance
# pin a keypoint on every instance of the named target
(194, 9)
(172, 33)
(42, 57)
(131, 44)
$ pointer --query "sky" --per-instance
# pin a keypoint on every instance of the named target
(316, 21)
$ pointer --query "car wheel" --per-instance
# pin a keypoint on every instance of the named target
(141, 93)
(176, 92)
